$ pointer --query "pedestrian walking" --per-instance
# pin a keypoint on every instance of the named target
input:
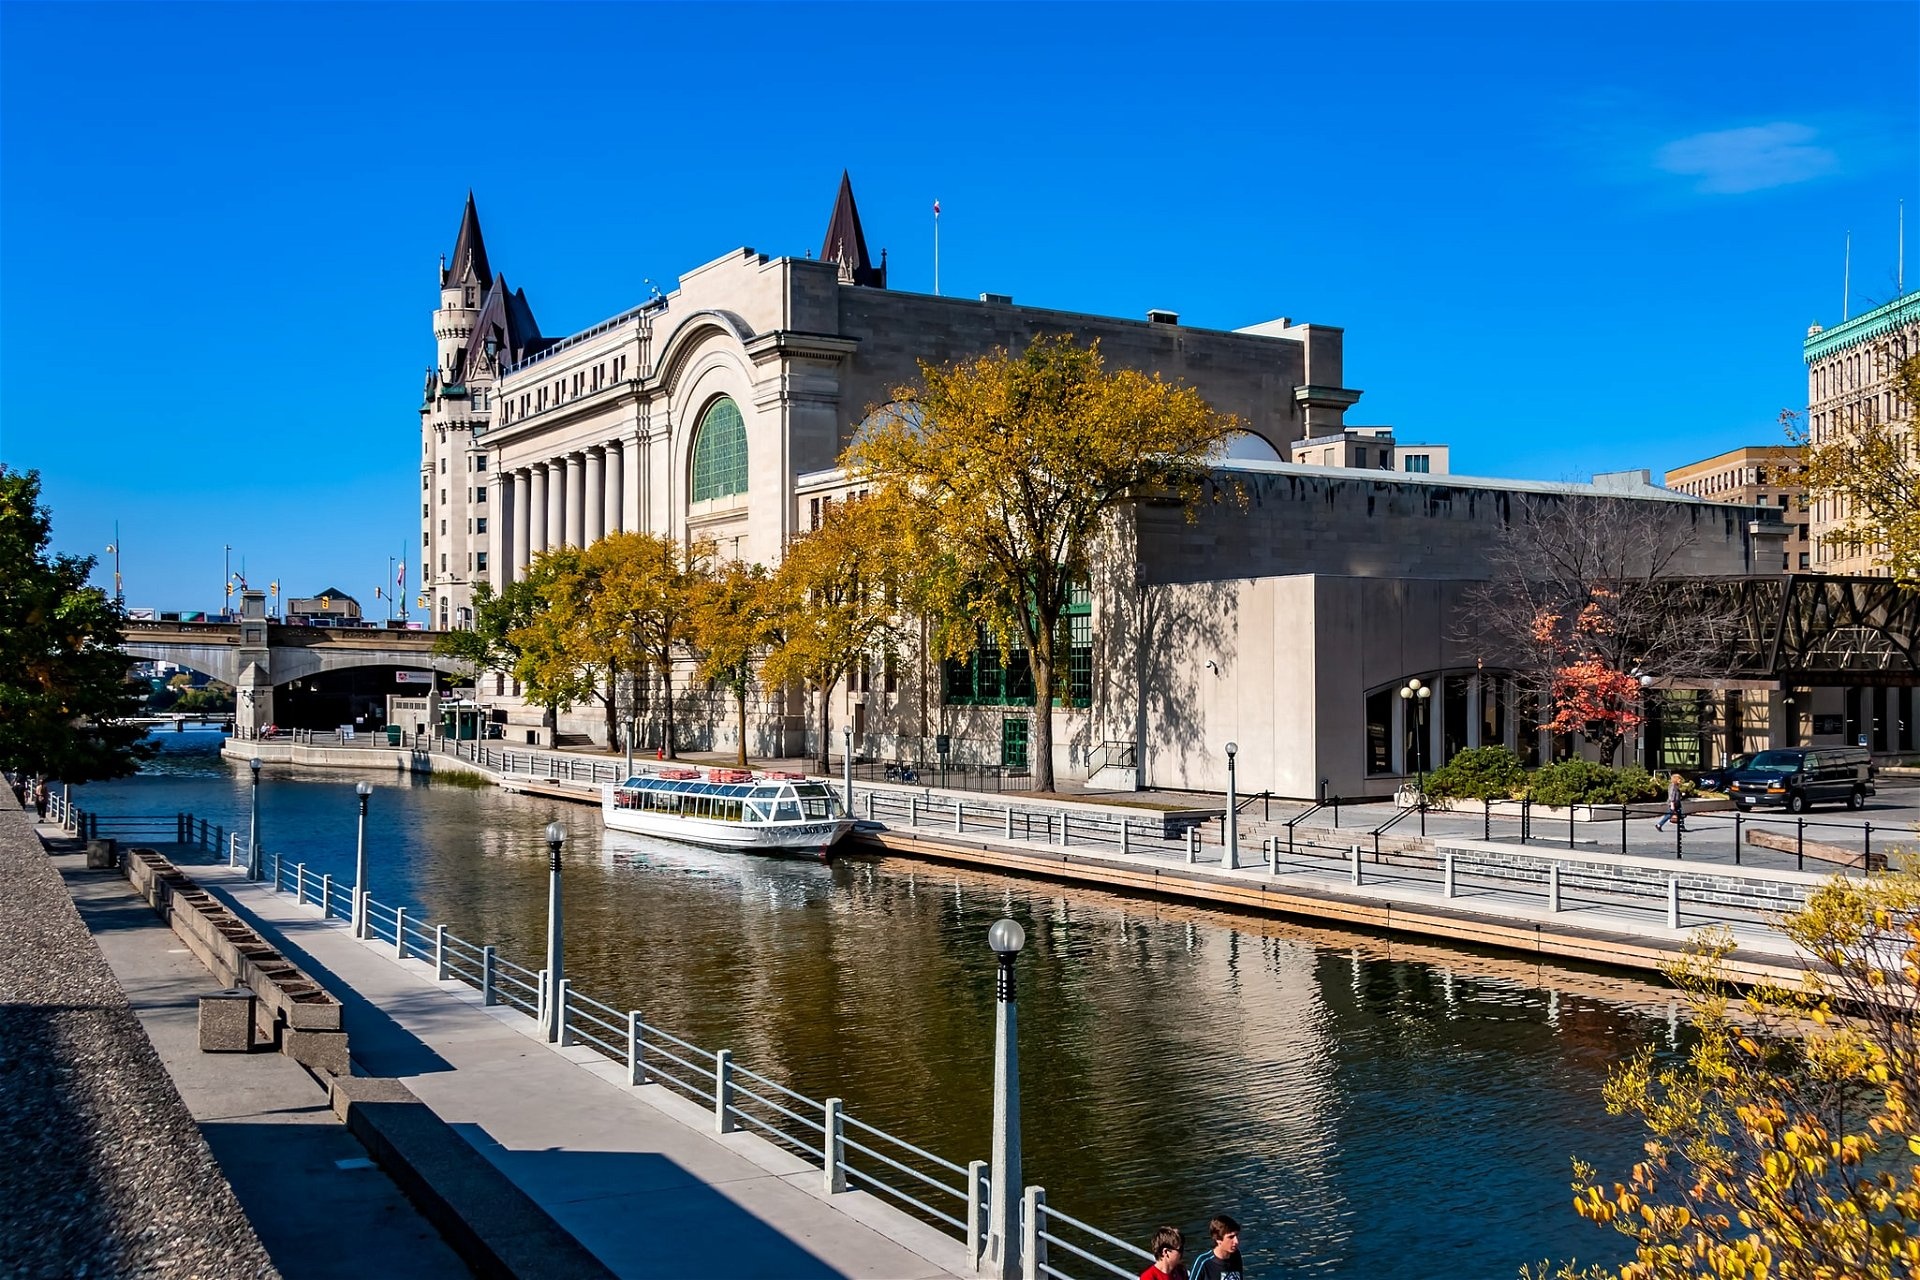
(1166, 1248)
(1222, 1262)
(1674, 813)
(40, 798)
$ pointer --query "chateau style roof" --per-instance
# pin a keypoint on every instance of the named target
(469, 252)
(507, 317)
(846, 242)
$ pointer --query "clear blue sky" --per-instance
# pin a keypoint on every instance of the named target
(1561, 237)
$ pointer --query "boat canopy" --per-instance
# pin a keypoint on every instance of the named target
(691, 787)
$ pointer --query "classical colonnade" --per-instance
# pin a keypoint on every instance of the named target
(574, 499)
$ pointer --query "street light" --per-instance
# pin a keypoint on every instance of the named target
(1233, 811)
(1418, 695)
(362, 790)
(556, 836)
(847, 764)
(1646, 683)
(253, 824)
(1001, 1259)
(629, 741)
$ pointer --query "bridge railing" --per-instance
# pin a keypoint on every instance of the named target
(847, 1151)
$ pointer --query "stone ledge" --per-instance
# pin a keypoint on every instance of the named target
(493, 1225)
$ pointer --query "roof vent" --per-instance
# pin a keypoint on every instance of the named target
(997, 299)
(1157, 316)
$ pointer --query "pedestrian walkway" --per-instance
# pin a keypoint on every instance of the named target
(637, 1175)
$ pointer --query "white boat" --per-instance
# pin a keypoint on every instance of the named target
(728, 809)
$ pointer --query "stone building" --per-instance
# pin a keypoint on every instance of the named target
(1764, 475)
(721, 408)
(1850, 379)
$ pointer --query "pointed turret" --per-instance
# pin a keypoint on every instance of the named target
(846, 243)
(469, 261)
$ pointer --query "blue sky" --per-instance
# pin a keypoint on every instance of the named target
(1561, 237)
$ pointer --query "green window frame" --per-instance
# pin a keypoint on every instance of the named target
(720, 452)
(982, 679)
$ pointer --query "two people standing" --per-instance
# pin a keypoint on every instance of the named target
(1222, 1262)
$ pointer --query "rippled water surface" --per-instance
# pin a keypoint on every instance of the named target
(1366, 1107)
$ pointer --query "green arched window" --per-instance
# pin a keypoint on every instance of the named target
(720, 452)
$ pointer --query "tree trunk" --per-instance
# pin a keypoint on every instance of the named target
(1040, 731)
(826, 726)
(666, 716)
(611, 699)
(740, 704)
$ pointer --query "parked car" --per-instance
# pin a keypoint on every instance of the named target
(1716, 779)
(1796, 778)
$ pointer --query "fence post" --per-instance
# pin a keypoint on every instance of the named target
(833, 1149)
(1570, 809)
(1125, 838)
(976, 1210)
(1193, 845)
(1679, 838)
(913, 811)
(959, 816)
(1064, 840)
(1800, 843)
(1623, 827)
(1736, 837)
(1866, 849)
(487, 988)
(1553, 886)
(1271, 848)
(276, 873)
(1009, 822)
(1448, 890)
(326, 896)
(1033, 1245)
(636, 1064)
(1486, 818)
(179, 828)
(300, 884)
(566, 989)
(220, 841)
(540, 1014)
(440, 952)
(1356, 863)
(400, 933)
(870, 817)
(722, 1090)
(1673, 902)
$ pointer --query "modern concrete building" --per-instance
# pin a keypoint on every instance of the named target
(1286, 621)
(1850, 379)
(1766, 475)
(1371, 449)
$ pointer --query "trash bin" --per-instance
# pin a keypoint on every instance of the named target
(393, 735)
(103, 854)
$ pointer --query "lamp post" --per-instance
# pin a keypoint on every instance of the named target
(362, 790)
(1233, 811)
(1001, 1259)
(226, 584)
(629, 742)
(1416, 696)
(556, 836)
(1646, 683)
(253, 824)
(847, 764)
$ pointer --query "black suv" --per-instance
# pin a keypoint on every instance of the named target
(1796, 778)
(1716, 779)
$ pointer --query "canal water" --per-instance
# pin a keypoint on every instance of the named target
(1365, 1106)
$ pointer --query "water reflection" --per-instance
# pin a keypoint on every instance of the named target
(1367, 1107)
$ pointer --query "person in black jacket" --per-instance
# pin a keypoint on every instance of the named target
(1222, 1262)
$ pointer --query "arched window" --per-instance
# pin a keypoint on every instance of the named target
(720, 453)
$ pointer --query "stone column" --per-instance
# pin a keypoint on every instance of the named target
(594, 509)
(633, 471)
(537, 507)
(499, 541)
(576, 522)
(522, 500)
(556, 504)
(616, 488)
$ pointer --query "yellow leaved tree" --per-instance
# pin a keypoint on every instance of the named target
(1785, 1145)
(734, 624)
(1008, 465)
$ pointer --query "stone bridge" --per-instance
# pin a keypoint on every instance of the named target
(255, 654)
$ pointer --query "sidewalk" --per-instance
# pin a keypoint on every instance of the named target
(637, 1175)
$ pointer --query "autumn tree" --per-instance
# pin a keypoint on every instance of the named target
(734, 624)
(1010, 464)
(834, 600)
(554, 652)
(1864, 462)
(1584, 594)
(646, 589)
(65, 703)
(488, 645)
(1786, 1143)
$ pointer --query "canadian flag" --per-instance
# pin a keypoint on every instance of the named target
(401, 577)
(936, 208)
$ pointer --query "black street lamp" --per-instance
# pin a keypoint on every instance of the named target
(362, 790)
(1417, 695)
(253, 824)
(556, 1015)
(1002, 1256)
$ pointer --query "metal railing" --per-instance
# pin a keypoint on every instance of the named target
(848, 1152)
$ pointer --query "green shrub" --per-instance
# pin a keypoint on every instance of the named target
(1588, 782)
(461, 778)
(1481, 773)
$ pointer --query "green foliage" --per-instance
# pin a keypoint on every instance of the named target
(1587, 782)
(1480, 773)
(64, 695)
(464, 778)
(209, 697)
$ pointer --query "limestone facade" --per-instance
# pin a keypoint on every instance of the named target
(1850, 379)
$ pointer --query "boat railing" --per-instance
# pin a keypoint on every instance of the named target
(850, 1153)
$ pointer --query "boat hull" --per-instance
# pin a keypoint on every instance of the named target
(804, 839)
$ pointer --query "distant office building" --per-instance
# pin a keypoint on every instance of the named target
(332, 604)
(1849, 380)
(1763, 475)
(1370, 449)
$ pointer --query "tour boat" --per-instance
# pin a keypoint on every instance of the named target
(729, 809)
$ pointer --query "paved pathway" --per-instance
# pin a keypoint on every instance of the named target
(637, 1175)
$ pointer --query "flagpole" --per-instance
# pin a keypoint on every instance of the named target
(1846, 279)
(936, 248)
(390, 594)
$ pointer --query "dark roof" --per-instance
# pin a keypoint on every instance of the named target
(507, 317)
(846, 243)
(333, 593)
(469, 251)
